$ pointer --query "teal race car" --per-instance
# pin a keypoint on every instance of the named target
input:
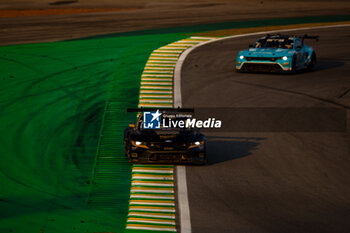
(277, 53)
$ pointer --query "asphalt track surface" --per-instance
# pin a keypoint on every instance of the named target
(146, 14)
(264, 181)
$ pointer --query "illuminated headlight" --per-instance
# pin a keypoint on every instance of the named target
(196, 144)
(241, 57)
(285, 58)
(139, 144)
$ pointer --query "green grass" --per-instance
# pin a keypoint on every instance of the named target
(52, 100)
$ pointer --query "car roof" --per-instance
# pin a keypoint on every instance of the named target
(278, 36)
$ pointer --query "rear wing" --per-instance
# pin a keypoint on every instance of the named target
(306, 36)
(174, 110)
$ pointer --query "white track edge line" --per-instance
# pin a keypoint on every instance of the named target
(184, 210)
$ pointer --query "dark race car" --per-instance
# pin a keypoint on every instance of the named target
(277, 53)
(165, 144)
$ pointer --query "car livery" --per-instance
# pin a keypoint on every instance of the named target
(164, 144)
(277, 53)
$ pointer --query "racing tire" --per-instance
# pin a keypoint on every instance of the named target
(294, 67)
(200, 163)
(311, 65)
(238, 70)
(204, 162)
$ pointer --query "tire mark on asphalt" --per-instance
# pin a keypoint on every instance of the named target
(344, 93)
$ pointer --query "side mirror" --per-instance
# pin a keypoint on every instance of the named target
(132, 125)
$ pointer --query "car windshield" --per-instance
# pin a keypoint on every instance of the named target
(283, 43)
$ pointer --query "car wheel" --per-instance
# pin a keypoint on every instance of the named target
(130, 159)
(294, 66)
(205, 161)
(311, 65)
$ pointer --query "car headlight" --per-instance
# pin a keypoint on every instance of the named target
(196, 144)
(285, 58)
(241, 57)
(139, 144)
